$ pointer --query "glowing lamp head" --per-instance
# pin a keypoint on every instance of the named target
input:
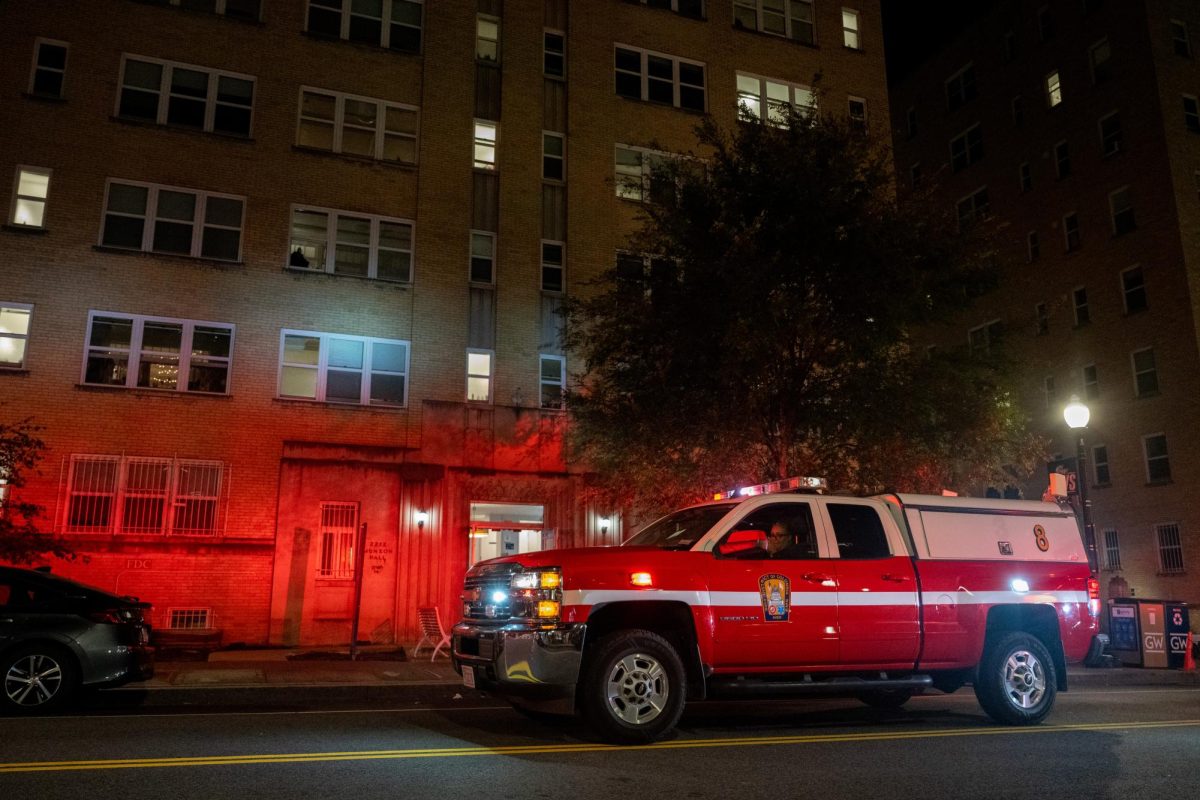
(643, 579)
(547, 609)
(499, 597)
(1076, 413)
(1020, 585)
(421, 517)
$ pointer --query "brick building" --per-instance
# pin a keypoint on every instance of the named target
(275, 269)
(1074, 126)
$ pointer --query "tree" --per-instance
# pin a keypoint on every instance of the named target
(769, 333)
(21, 541)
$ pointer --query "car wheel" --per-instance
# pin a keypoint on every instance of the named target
(1017, 680)
(633, 687)
(886, 698)
(38, 679)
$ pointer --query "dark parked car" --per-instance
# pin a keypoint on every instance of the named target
(58, 636)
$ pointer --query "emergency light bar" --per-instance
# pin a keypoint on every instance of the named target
(785, 485)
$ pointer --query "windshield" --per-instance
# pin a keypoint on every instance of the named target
(681, 530)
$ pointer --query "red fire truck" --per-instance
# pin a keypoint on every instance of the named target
(781, 590)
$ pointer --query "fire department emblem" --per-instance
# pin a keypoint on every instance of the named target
(775, 591)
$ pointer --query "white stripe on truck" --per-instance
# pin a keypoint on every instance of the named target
(595, 597)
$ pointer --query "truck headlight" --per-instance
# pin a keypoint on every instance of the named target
(537, 594)
(544, 579)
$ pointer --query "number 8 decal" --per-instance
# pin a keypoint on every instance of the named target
(1039, 536)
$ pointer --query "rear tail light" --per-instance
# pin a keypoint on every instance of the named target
(113, 616)
(1093, 590)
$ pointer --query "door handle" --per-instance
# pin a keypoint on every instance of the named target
(887, 576)
(816, 577)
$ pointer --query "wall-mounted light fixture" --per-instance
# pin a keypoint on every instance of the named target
(603, 524)
(421, 517)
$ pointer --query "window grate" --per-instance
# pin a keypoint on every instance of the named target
(189, 618)
(1112, 549)
(1170, 549)
(339, 524)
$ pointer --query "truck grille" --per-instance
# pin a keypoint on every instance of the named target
(486, 592)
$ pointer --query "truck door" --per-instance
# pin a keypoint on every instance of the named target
(877, 589)
(774, 601)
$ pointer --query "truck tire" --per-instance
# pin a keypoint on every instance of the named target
(1017, 681)
(633, 688)
(886, 698)
(38, 679)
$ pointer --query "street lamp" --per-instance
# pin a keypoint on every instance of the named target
(1077, 415)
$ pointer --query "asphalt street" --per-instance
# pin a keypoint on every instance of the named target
(1099, 743)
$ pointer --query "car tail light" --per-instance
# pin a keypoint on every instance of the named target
(112, 616)
(1093, 590)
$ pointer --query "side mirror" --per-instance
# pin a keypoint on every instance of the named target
(741, 541)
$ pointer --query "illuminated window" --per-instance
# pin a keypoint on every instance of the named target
(1091, 382)
(1145, 372)
(1071, 237)
(186, 96)
(1100, 60)
(792, 19)
(554, 54)
(143, 496)
(30, 193)
(553, 151)
(553, 381)
(552, 266)
(236, 9)
(1179, 39)
(1191, 114)
(643, 175)
(1121, 208)
(14, 334)
(1170, 548)
(1112, 549)
(49, 68)
(188, 619)
(139, 352)
(1079, 300)
(479, 375)
(966, 148)
(659, 78)
(960, 87)
(345, 243)
(483, 257)
(167, 219)
(394, 24)
(1133, 289)
(486, 134)
(1100, 465)
(850, 29)
(339, 532)
(1111, 137)
(1053, 90)
(334, 368)
(754, 93)
(357, 126)
(1158, 462)
(487, 38)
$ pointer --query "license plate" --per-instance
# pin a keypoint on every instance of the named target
(469, 677)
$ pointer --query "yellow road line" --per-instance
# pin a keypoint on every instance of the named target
(525, 750)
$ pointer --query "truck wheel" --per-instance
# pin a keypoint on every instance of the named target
(37, 679)
(1017, 680)
(633, 688)
(886, 698)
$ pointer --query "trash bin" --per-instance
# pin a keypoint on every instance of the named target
(1148, 633)
(1177, 624)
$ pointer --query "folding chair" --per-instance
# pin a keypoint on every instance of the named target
(432, 630)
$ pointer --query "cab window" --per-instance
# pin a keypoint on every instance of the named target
(858, 530)
(781, 531)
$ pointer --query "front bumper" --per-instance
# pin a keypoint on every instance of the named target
(537, 668)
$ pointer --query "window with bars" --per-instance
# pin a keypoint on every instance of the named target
(659, 78)
(357, 126)
(139, 495)
(1112, 549)
(392, 24)
(345, 243)
(49, 68)
(335, 368)
(1170, 549)
(172, 220)
(339, 530)
(170, 93)
(189, 619)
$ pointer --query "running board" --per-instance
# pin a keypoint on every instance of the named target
(841, 685)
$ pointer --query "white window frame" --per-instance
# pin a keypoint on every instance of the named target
(1085, 306)
(6, 337)
(1126, 291)
(547, 53)
(1110, 144)
(1053, 84)
(851, 32)
(543, 384)
(381, 133)
(471, 257)
(1112, 550)
(962, 144)
(863, 122)
(35, 67)
(337, 543)
(385, 35)
(1113, 211)
(150, 218)
(210, 101)
(1091, 388)
(638, 190)
(135, 353)
(1137, 390)
(1176, 25)
(561, 266)
(489, 376)
(1147, 459)
(1175, 547)
(1033, 246)
(190, 614)
(330, 242)
(1097, 463)
(561, 158)
(676, 82)
(322, 368)
(481, 41)
(956, 87)
(1071, 215)
(484, 146)
(17, 197)
(797, 93)
(788, 15)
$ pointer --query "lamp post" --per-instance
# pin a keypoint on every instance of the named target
(1077, 415)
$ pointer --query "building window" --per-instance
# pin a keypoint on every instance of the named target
(659, 78)
(553, 147)
(1062, 159)
(857, 114)
(1053, 90)
(357, 126)
(1048, 389)
(1110, 134)
(1191, 113)
(168, 93)
(982, 338)
(139, 352)
(1045, 24)
(339, 532)
(1100, 465)
(486, 135)
(1112, 549)
(1041, 317)
(1033, 247)
(914, 176)
(394, 24)
(960, 87)
(792, 19)
(333, 368)
(1170, 549)
(479, 376)
(754, 93)
(345, 243)
(552, 266)
(642, 174)
(1121, 208)
(911, 117)
(14, 334)
(146, 496)
(189, 619)
(1145, 372)
(554, 54)
(850, 33)
(1179, 39)
(553, 380)
(1071, 238)
(1025, 173)
(31, 191)
(49, 68)
(166, 219)
(973, 208)
(487, 39)
(1018, 111)
(1079, 301)
(1091, 382)
(1100, 59)
(483, 257)
(966, 148)
(1158, 462)
(1133, 290)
